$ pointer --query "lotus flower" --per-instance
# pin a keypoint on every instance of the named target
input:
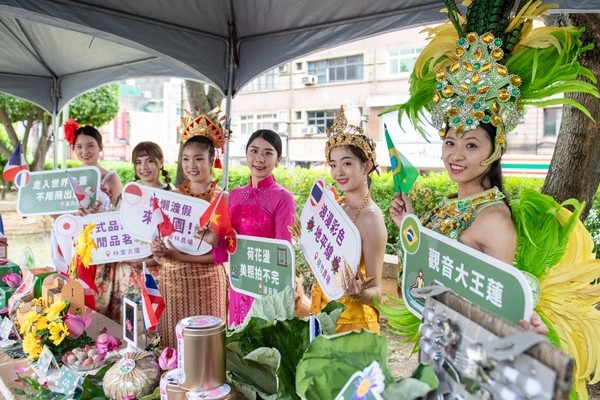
(12, 279)
(168, 359)
(106, 343)
(77, 324)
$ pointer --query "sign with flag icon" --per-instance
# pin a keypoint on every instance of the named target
(112, 241)
(52, 192)
(141, 219)
(329, 239)
(431, 258)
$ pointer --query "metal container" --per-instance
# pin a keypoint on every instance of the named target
(223, 392)
(201, 352)
(169, 386)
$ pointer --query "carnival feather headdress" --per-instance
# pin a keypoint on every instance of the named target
(485, 66)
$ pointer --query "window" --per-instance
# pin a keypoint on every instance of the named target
(298, 114)
(266, 81)
(321, 120)
(251, 123)
(337, 69)
(298, 66)
(402, 61)
(552, 118)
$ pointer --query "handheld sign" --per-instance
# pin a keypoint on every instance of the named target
(432, 258)
(51, 192)
(328, 236)
(114, 243)
(183, 211)
(260, 267)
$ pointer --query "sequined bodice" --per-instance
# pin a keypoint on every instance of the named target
(252, 220)
(453, 215)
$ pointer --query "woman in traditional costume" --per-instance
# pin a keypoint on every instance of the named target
(352, 158)
(148, 164)
(474, 77)
(193, 284)
(86, 141)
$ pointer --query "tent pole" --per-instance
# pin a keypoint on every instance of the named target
(230, 67)
(55, 97)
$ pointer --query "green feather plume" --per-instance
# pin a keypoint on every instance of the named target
(400, 320)
(542, 239)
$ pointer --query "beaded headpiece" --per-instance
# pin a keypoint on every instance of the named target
(203, 125)
(485, 66)
(343, 134)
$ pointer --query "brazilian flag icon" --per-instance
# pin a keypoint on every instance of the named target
(410, 234)
(404, 173)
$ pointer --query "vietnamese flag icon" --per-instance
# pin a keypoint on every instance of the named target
(217, 216)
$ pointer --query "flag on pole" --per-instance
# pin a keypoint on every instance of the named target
(218, 216)
(153, 304)
(160, 219)
(15, 163)
(82, 197)
(405, 174)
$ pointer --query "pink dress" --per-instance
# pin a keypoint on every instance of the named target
(265, 211)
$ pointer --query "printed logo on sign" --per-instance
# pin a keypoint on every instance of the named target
(316, 193)
(410, 234)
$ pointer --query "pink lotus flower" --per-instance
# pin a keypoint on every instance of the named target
(77, 324)
(12, 279)
(129, 398)
(106, 343)
(168, 359)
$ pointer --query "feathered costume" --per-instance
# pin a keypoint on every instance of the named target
(483, 68)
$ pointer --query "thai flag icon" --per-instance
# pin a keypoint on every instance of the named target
(316, 193)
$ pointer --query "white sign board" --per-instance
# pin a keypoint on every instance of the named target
(113, 241)
(183, 211)
(328, 236)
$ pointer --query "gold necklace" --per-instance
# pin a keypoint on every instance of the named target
(208, 195)
(360, 207)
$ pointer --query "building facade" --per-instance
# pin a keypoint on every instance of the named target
(300, 99)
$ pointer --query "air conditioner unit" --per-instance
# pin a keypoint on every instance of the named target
(309, 80)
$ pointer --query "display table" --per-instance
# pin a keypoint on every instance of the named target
(8, 365)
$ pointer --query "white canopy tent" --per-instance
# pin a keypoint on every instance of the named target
(53, 50)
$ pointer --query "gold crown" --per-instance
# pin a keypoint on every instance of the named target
(203, 125)
(342, 134)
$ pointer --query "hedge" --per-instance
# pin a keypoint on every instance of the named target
(427, 192)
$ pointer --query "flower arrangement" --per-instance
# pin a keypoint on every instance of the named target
(54, 327)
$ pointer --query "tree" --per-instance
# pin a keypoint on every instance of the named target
(96, 107)
(575, 167)
(198, 99)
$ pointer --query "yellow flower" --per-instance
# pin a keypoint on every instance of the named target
(54, 310)
(58, 332)
(30, 318)
(31, 346)
(42, 323)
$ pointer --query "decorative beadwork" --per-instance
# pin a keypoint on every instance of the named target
(453, 215)
(208, 195)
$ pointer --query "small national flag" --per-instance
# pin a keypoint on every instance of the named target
(1, 226)
(82, 197)
(405, 174)
(160, 219)
(60, 260)
(153, 304)
(218, 216)
(15, 163)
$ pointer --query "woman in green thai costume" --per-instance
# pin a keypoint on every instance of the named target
(474, 78)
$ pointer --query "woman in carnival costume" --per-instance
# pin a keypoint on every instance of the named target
(193, 284)
(481, 69)
(352, 158)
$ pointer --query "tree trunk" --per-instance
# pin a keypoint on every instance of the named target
(41, 149)
(198, 100)
(575, 167)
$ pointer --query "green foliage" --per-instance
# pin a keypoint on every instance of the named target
(17, 109)
(592, 223)
(96, 107)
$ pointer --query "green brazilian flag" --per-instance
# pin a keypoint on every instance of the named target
(405, 174)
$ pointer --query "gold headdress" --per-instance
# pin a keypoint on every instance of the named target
(485, 66)
(342, 134)
(203, 125)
